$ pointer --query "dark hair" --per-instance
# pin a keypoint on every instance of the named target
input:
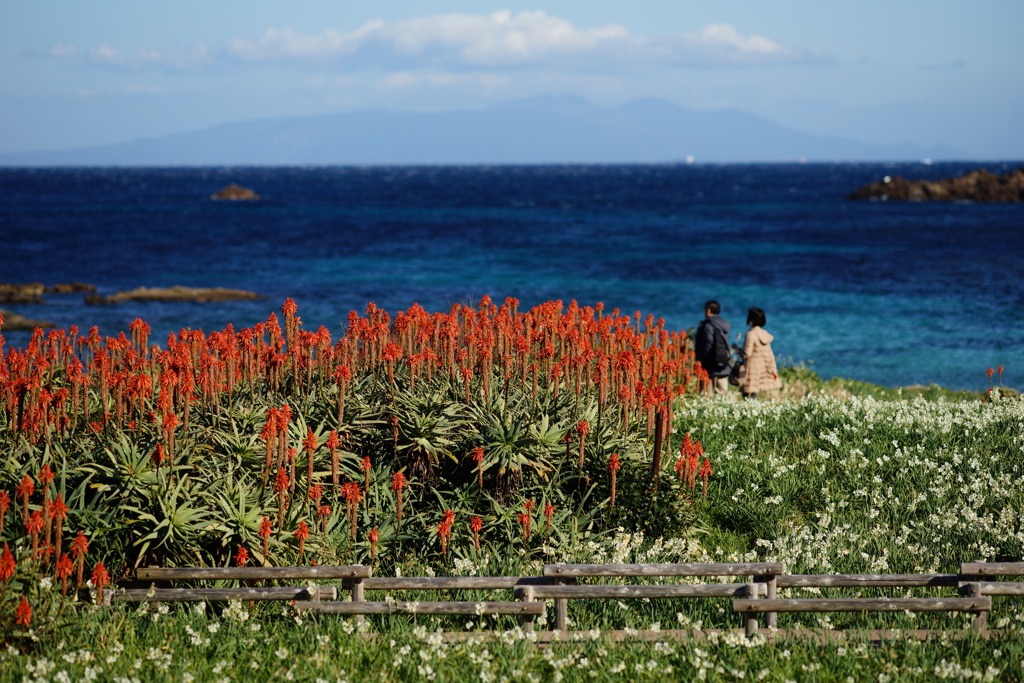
(713, 307)
(755, 317)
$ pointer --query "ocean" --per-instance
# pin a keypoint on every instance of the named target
(892, 293)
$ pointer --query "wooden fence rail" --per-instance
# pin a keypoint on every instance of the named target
(560, 582)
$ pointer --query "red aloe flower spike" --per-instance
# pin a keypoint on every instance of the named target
(58, 513)
(373, 535)
(23, 614)
(614, 465)
(549, 511)
(5, 505)
(310, 445)
(478, 457)
(316, 492)
(64, 570)
(266, 528)
(444, 530)
(365, 465)
(7, 565)
(35, 525)
(705, 472)
(25, 490)
(324, 511)
(582, 428)
(241, 557)
(475, 525)
(45, 477)
(79, 547)
(525, 522)
(302, 533)
(398, 483)
(100, 579)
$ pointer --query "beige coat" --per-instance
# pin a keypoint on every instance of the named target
(758, 373)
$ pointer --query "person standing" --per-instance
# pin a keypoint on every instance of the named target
(712, 338)
(758, 372)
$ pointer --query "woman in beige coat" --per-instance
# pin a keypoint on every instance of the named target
(758, 372)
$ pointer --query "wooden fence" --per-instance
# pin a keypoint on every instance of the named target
(755, 595)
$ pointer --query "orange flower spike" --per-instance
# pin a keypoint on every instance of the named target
(281, 482)
(46, 476)
(24, 490)
(65, 568)
(549, 511)
(324, 511)
(373, 536)
(23, 614)
(5, 505)
(100, 579)
(241, 557)
(614, 465)
(266, 528)
(316, 492)
(478, 457)
(366, 465)
(302, 533)
(79, 547)
(7, 564)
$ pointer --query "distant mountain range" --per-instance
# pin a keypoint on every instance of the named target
(540, 130)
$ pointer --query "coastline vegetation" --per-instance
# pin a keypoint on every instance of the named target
(508, 422)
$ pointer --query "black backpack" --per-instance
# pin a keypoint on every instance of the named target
(720, 349)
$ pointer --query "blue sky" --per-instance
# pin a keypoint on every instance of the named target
(76, 73)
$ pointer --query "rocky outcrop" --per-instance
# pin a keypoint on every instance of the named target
(24, 293)
(976, 186)
(13, 321)
(71, 288)
(235, 192)
(177, 293)
(31, 292)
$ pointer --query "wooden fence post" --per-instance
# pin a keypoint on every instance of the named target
(358, 595)
(750, 625)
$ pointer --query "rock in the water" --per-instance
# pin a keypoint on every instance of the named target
(26, 293)
(13, 321)
(177, 293)
(235, 192)
(976, 186)
(71, 288)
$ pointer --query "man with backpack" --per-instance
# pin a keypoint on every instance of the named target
(713, 347)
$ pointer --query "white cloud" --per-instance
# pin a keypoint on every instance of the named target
(502, 40)
(105, 55)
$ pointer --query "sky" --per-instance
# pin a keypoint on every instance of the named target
(936, 72)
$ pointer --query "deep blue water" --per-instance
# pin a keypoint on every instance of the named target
(886, 292)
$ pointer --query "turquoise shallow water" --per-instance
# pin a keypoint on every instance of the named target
(891, 293)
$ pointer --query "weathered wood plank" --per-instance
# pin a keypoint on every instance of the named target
(996, 587)
(705, 590)
(865, 605)
(854, 580)
(992, 568)
(462, 608)
(717, 569)
(222, 594)
(355, 571)
(452, 582)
